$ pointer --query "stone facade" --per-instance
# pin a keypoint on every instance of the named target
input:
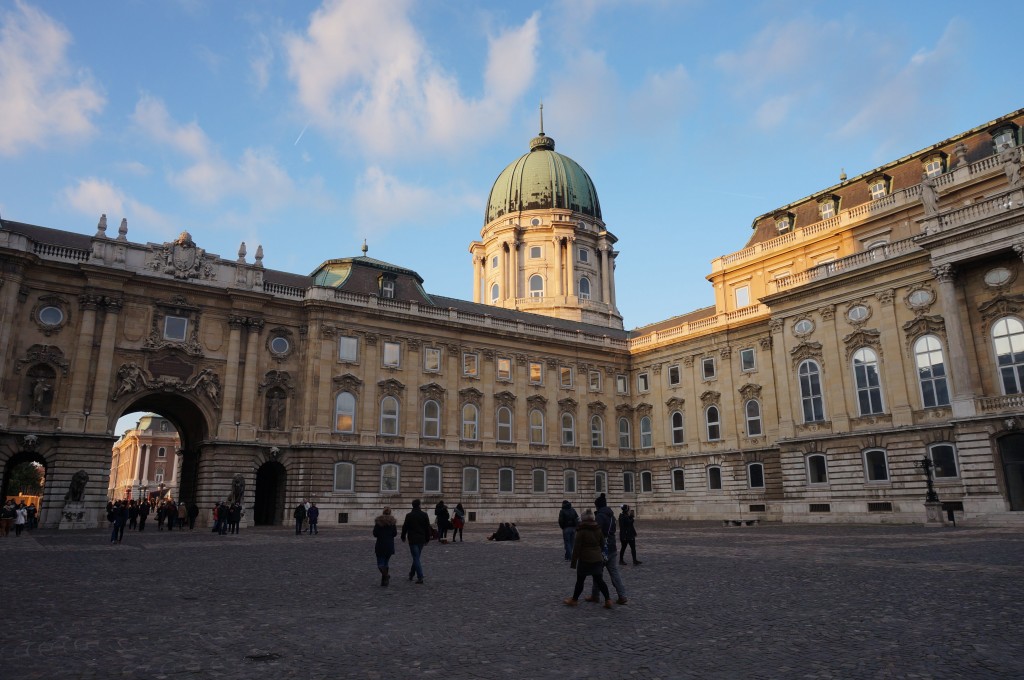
(861, 330)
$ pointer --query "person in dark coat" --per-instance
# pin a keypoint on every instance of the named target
(119, 518)
(458, 522)
(235, 515)
(300, 517)
(627, 534)
(193, 512)
(568, 518)
(143, 514)
(605, 517)
(417, 528)
(385, 528)
(443, 521)
(313, 515)
(588, 560)
(133, 515)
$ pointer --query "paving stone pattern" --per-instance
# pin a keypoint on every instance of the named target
(708, 602)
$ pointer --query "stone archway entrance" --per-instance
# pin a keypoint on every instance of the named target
(1011, 453)
(6, 491)
(269, 497)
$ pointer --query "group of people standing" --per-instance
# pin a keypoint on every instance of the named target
(307, 516)
(19, 515)
(590, 548)
(227, 519)
(132, 514)
(445, 521)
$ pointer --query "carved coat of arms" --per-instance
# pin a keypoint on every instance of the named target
(182, 259)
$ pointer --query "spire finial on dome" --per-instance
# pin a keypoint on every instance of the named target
(365, 248)
(541, 117)
(542, 141)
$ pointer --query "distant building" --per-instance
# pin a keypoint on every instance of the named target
(144, 461)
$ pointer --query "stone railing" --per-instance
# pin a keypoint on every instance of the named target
(284, 291)
(980, 210)
(823, 271)
(52, 252)
(710, 324)
(1011, 402)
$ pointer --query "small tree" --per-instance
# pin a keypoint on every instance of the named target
(26, 478)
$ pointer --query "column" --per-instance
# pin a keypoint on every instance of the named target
(787, 403)
(230, 400)
(367, 407)
(962, 388)
(558, 289)
(9, 285)
(570, 276)
(516, 245)
(605, 282)
(476, 278)
(839, 402)
(323, 371)
(137, 455)
(506, 260)
(145, 464)
(249, 377)
(83, 355)
(97, 402)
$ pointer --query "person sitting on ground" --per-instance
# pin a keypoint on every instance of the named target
(506, 532)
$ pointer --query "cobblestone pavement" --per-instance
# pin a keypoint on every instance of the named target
(708, 602)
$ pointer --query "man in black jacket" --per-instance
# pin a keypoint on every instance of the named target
(417, 528)
(605, 517)
(568, 518)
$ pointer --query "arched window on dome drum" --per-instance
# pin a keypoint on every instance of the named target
(584, 293)
(536, 286)
(495, 292)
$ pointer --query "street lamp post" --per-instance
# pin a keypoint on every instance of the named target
(933, 508)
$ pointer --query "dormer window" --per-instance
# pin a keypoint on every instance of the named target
(934, 165)
(1004, 137)
(387, 286)
(828, 206)
(879, 186)
(784, 222)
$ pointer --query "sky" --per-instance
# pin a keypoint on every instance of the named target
(307, 127)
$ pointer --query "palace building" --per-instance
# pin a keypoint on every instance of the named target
(864, 349)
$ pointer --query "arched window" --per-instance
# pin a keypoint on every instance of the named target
(817, 469)
(389, 416)
(755, 476)
(869, 386)
(569, 481)
(646, 481)
(597, 432)
(495, 292)
(876, 465)
(389, 478)
(678, 435)
(810, 391)
(504, 424)
(714, 478)
(568, 430)
(584, 288)
(1008, 336)
(714, 423)
(506, 480)
(344, 477)
(625, 439)
(536, 426)
(540, 480)
(470, 480)
(345, 412)
(627, 482)
(432, 479)
(431, 419)
(931, 371)
(536, 286)
(753, 411)
(678, 480)
(646, 435)
(600, 481)
(943, 461)
(470, 420)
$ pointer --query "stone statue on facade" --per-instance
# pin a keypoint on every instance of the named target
(929, 196)
(237, 489)
(275, 410)
(39, 389)
(76, 489)
(1010, 158)
(130, 379)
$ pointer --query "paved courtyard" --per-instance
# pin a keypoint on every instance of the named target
(708, 602)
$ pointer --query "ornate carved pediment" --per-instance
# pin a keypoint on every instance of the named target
(924, 325)
(177, 306)
(505, 398)
(596, 408)
(568, 404)
(675, 403)
(1001, 305)
(806, 350)
(281, 379)
(863, 338)
(181, 259)
(725, 352)
(471, 395)
(776, 325)
(347, 383)
(688, 362)
(644, 409)
(43, 354)
(390, 388)
(827, 313)
(536, 401)
(766, 343)
(552, 364)
(750, 391)
(624, 410)
(133, 378)
(432, 391)
(710, 397)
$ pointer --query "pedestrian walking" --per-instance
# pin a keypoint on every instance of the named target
(118, 517)
(385, 528)
(300, 517)
(443, 520)
(7, 515)
(143, 514)
(605, 517)
(568, 519)
(458, 522)
(627, 534)
(417, 528)
(193, 512)
(312, 516)
(20, 518)
(182, 515)
(588, 560)
(133, 515)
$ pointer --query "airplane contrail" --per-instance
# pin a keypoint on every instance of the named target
(300, 134)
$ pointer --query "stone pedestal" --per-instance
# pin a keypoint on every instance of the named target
(74, 516)
(933, 514)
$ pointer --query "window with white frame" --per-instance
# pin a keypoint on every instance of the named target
(707, 368)
(345, 412)
(470, 480)
(568, 430)
(643, 382)
(869, 386)
(536, 286)
(565, 376)
(432, 359)
(536, 252)
(161, 452)
(504, 368)
(597, 432)
(621, 385)
(536, 373)
(1008, 337)
(494, 262)
(811, 400)
(646, 433)
(646, 481)
(879, 188)
(569, 481)
(748, 359)
(387, 288)
(159, 476)
(600, 481)
(817, 469)
(625, 440)
(392, 354)
(674, 376)
(827, 208)
(389, 478)
(432, 479)
(933, 166)
(504, 424)
(1003, 138)
(595, 381)
(431, 419)
(876, 466)
(784, 223)
(536, 426)
(470, 364)
(389, 416)
(344, 477)
(931, 371)
(714, 423)
(714, 478)
(678, 480)
(506, 480)
(678, 434)
(742, 296)
(495, 292)
(584, 288)
(627, 482)
(470, 422)
(943, 457)
(752, 409)
(755, 476)
(175, 328)
(540, 480)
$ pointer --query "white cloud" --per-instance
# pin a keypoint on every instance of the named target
(261, 58)
(363, 72)
(779, 52)
(383, 201)
(45, 97)
(773, 111)
(93, 197)
(152, 118)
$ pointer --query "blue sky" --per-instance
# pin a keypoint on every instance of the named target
(306, 127)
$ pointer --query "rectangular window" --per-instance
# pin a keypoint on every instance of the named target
(565, 376)
(348, 348)
(621, 385)
(944, 461)
(817, 471)
(175, 328)
(470, 364)
(678, 480)
(536, 373)
(595, 381)
(470, 480)
(747, 359)
(584, 255)
(505, 479)
(707, 366)
(389, 477)
(432, 359)
(432, 479)
(601, 482)
(569, 481)
(876, 468)
(643, 382)
(344, 477)
(627, 482)
(494, 262)
(674, 376)
(742, 296)
(540, 481)
(504, 368)
(646, 481)
(387, 289)
(536, 252)
(392, 354)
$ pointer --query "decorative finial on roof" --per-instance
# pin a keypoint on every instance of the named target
(122, 231)
(259, 255)
(542, 141)
(541, 117)
(101, 227)
(241, 252)
(842, 174)
(366, 248)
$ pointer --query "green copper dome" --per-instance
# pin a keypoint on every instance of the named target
(542, 179)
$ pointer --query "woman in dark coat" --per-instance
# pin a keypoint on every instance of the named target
(588, 560)
(627, 534)
(443, 520)
(384, 530)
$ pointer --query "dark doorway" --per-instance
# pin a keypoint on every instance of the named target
(1011, 451)
(268, 509)
(22, 465)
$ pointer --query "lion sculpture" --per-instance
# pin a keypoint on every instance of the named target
(76, 490)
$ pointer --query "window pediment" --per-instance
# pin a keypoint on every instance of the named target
(710, 397)
(432, 391)
(347, 383)
(675, 403)
(471, 395)
(806, 350)
(505, 398)
(863, 338)
(390, 388)
(750, 391)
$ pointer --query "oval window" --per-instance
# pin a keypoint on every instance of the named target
(920, 298)
(858, 313)
(51, 316)
(998, 276)
(279, 345)
(803, 327)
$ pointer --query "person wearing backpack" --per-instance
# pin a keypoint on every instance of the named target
(568, 520)
(606, 520)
